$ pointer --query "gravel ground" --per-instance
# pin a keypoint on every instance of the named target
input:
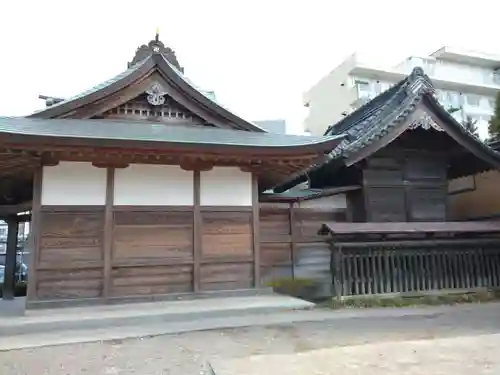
(188, 353)
(436, 356)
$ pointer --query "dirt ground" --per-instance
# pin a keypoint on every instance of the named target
(188, 353)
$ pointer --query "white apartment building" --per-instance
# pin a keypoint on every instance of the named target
(467, 81)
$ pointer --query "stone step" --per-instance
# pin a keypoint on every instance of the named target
(146, 314)
(146, 329)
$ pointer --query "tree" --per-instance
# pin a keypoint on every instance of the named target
(494, 123)
(470, 125)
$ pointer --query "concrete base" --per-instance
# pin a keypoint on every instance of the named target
(84, 324)
(13, 307)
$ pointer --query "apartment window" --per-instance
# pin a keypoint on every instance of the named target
(473, 100)
(453, 99)
(491, 102)
(362, 85)
(364, 89)
(429, 67)
(496, 77)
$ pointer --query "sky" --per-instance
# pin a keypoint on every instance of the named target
(258, 56)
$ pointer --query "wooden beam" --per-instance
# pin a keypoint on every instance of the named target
(197, 229)
(256, 231)
(9, 282)
(108, 232)
(15, 208)
(36, 231)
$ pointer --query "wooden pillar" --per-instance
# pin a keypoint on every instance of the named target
(108, 232)
(256, 230)
(9, 282)
(197, 226)
(34, 236)
(293, 238)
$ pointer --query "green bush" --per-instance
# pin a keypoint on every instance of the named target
(294, 287)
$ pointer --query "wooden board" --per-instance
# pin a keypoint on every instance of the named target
(69, 283)
(226, 234)
(71, 238)
(151, 280)
(227, 276)
(144, 236)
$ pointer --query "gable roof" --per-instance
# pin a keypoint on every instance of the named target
(393, 109)
(153, 61)
(383, 119)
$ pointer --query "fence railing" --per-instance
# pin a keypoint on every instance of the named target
(414, 266)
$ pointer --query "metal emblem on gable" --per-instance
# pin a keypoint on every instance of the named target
(156, 94)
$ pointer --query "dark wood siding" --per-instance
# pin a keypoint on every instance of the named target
(405, 186)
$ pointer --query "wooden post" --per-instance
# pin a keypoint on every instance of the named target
(293, 238)
(108, 232)
(256, 230)
(197, 226)
(336, 258)
(35, 234)
(9, 282)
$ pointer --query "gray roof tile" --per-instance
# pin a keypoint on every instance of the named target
(151, 132)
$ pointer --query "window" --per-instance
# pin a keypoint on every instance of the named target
(496, 77)
(473, 100)
(491, 102)
(429, 67)
(362, 85)
(452, 99)
(364, 89)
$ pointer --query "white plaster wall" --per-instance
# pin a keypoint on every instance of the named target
(334, 202)
(153, 185)
(73, 184)
(225, 186)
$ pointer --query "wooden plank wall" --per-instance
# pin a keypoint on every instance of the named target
(290, 246)
(70, 260)
(153, 252)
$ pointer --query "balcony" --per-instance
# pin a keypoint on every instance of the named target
(453, 74)
(360, 96)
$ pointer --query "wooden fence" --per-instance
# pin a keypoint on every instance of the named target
(415, 267)
(291, 248)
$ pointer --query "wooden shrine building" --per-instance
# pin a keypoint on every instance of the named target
(392, 173)
(144, 186)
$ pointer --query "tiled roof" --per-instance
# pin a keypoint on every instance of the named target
(386, 112)
(208, 95)
(115, 130)
(381, 115)
(97, 87)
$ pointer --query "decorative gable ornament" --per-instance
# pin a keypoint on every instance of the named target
(425, 122)
(156, 94)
